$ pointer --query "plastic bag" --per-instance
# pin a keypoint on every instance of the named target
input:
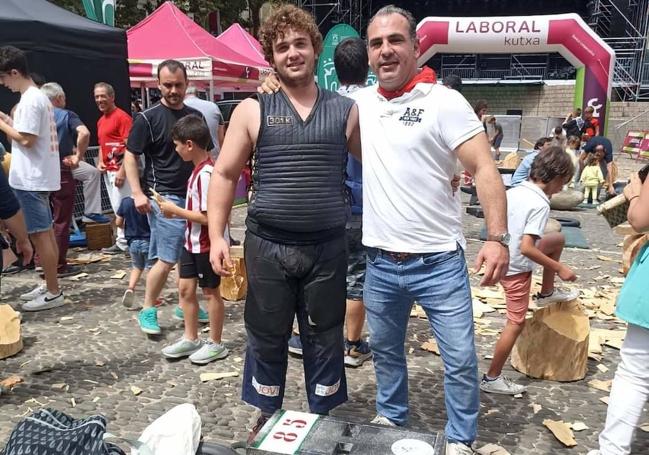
(177, 432)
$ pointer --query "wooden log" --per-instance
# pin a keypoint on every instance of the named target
(554, 343)
(630, 247)
(11, 342)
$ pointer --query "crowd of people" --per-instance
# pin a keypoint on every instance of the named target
(329, 241)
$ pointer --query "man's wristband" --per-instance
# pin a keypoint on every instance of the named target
(633, 197)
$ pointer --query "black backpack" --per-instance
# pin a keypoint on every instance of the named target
(51, 432)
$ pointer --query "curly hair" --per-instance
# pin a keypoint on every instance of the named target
(285, 18)
(553, 162)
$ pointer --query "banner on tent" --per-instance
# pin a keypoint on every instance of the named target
(198, 67)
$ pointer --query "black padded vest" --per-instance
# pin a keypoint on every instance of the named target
(298, 176)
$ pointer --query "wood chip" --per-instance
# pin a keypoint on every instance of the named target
(99, 363)
(492, 449)
(136, 390)
(90, 381)
(73, 402)
(578, 426)
(96, 399)
(78, 276)
(66, 318)
(216, 376)
(602, 368)
(431, 346)
(561, 431)
(604, 386)
(645, 427)
(518, 395)
(595, 357)
(59, 386)
(604, 400)
(114, 375)
(536, 407)
(10, 382)
(606, 259)
(119, 275)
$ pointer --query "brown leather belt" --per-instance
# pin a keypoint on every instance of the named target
(400, 257)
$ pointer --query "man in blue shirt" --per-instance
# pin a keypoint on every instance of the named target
(523, 170)
(73, 139)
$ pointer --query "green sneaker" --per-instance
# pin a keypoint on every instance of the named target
(209, 352)
(148, 320)
(181, 348)
(202, 314)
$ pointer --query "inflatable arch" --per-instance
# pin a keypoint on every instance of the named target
(566, 34)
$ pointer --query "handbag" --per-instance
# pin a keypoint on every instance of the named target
(51, 432)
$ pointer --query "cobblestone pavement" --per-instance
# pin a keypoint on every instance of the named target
(84, 357)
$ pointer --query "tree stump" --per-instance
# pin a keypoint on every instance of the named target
(10, 341)
(554, 343)
(235, 286)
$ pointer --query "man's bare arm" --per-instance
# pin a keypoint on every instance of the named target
(130, 166)
(24, 139)
(220, 135)
(237, 147)
(83, 139)
(475, 156)
(354, 133)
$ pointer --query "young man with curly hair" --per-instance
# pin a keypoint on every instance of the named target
(295, 246)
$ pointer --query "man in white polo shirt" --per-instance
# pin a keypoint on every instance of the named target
(413, 131)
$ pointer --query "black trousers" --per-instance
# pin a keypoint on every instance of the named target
(284, 281)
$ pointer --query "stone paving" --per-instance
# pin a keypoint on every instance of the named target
(84, 357)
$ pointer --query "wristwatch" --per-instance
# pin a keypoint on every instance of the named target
(503, 239)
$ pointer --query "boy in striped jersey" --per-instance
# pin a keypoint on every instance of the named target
(191, 138)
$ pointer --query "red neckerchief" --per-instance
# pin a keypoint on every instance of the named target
(426, 75)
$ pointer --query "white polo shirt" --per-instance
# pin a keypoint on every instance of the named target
(528, 209)
(409, 161)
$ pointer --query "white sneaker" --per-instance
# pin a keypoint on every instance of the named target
(594, 452)
(209, 352)
(457, 448)
(501, 385)
(31, 295)
(45, 301)
(558, 295)
(382, 420)
(181, 348)
(128, 299)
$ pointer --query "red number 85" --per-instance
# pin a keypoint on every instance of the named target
(287, 437)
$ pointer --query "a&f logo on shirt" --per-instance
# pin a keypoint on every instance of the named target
(411, 116)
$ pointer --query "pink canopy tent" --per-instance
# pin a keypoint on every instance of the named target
(169, 33)
(242, 42)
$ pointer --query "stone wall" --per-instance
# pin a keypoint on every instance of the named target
(556, 101)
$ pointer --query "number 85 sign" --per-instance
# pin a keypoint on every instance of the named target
(288, 433)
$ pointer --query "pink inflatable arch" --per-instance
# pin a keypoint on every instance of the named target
(566, 34)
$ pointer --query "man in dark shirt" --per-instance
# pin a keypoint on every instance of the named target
(73, 139)
(12, 216)
(165, 175)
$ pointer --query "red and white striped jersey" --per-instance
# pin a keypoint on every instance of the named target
(197, 239)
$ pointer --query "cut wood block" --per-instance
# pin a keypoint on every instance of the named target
(554, 343)
(235, 286)
(552, 226)
(561, 431)
(11, 342)
(624, 229)
(566, 200)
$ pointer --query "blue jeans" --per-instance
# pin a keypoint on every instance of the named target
(167, 234)
(439, 282)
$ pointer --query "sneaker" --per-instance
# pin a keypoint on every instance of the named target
(148, 320)
(95, 218)
(128, 299)
(558, 295)
(31, 295)
(357, 353)
(295, 345)
(594, 452)
(382, 420)
(182, 348)
(261, 421)
(115, 249)
(501, 385)
(68, 270)
(457, 448)
(202, 314)
(45, 301)
(209, 352)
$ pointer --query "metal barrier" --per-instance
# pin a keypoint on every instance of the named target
(91, 158)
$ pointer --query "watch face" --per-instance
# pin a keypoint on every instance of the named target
(506, 238)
